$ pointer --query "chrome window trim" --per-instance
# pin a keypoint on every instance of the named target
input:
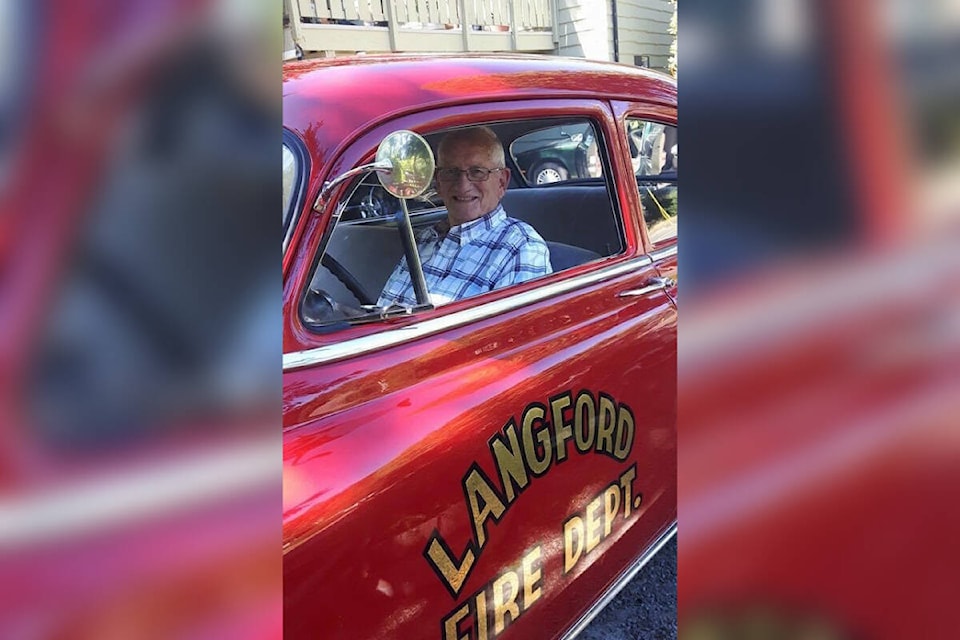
(293, 197)
(295, 146)
(662, 254)
(621, 582)
(399, 335)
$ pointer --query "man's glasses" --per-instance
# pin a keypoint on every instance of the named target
(474, 174)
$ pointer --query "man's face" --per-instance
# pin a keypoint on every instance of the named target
(467, 200)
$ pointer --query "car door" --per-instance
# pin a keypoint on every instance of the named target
(488, 468)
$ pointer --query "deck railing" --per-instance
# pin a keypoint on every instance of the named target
(421, 25)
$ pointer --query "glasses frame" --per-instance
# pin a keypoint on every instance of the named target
(439, 172)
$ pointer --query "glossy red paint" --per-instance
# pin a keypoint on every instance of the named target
(378, 446)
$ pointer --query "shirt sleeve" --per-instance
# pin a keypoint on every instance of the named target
(398, 281)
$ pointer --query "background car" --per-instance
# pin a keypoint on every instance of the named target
(556, 154)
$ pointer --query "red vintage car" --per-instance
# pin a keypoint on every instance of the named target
(497, 466)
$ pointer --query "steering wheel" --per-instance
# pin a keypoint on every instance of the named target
(373, 204)
(350, 281)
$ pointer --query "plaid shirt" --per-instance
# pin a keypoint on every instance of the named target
(488, 253)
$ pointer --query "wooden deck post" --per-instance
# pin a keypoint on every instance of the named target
(391, 24)
(465, 24)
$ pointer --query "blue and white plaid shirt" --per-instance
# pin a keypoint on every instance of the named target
(488, 253)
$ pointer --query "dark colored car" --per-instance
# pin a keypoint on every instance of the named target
(556, 154)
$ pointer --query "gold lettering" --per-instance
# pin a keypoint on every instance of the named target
(593, 523)
(626, 482)
(482, 615)
(625, 431)
(562, 429)
(535, 413)
(584, 439)
(509, 459)
(453, 575)
(477, 489)
(571, 554)
(503, 606)
(611, 503)
(531, 575)
(605, 425)
(450, 624)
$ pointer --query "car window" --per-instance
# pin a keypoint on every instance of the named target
(572, 224)
(655, 158)
(557, 154)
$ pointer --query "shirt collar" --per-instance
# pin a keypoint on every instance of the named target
(475, 228)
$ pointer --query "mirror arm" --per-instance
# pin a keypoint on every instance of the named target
(413, 257)
(328, 186)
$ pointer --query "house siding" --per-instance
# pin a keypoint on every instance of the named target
(585, 29)
(643, 30)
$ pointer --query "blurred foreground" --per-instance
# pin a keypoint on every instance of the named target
(140, 341)
(819, 454)
(139, 320)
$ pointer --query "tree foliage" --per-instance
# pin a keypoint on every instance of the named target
(672, 30)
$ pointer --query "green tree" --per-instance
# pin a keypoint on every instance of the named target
(672, 30)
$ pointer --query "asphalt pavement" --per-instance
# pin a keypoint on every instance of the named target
(646, 609)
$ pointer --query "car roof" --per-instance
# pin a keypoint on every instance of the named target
(333, 97)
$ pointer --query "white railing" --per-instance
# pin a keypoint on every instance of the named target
(422, 25)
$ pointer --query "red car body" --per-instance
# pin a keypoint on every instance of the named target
(493, 467)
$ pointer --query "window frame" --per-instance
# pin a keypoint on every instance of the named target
(361, 148)
(671, 239)
(660, 114)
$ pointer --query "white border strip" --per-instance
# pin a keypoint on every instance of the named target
(123, 497)
(392, 337)
(621, 582)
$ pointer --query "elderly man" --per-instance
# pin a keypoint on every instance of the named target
(478, 248)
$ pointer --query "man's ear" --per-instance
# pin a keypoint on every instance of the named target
(504, 178)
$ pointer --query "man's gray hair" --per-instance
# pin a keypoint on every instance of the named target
(483, 137)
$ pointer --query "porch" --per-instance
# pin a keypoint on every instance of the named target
(329, 27)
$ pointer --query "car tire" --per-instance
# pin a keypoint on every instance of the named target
(547, 172)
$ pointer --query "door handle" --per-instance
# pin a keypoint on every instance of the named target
(651, 285)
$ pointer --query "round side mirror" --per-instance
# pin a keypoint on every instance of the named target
(411, 164)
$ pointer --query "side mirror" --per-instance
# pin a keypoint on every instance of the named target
(411, 164)
(410, 170)
(404, 165)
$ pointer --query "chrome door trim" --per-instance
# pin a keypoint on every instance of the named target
(392, 337)
(621, 582)
(662, 254)
(651, 285)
